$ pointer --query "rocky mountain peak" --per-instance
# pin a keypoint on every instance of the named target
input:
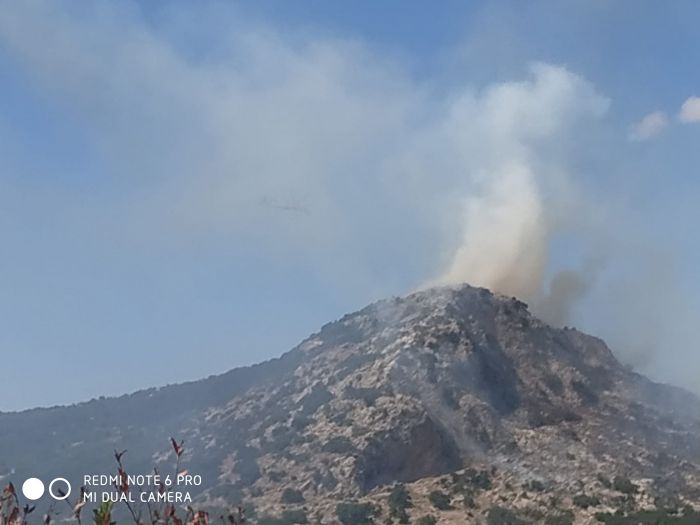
(451, 378)
(452, 390)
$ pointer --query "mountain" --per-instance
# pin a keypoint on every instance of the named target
(452, 403)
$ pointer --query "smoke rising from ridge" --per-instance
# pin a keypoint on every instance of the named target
(505, 239)
(510, 216)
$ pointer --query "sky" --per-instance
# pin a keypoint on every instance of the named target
(187, 187)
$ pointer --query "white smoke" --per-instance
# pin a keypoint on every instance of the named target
(504, 246)
(519, 187)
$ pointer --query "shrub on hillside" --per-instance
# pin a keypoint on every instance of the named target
(440, 500)
(502, 516)
(399, 501)
(563, 518)
(355, 513)
(339, 445)
(471, 479)
(650, 517)
(292, 496)
(426, 520)
(624, 485)
(584, 501)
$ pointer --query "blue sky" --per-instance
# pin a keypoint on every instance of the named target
(189, 187)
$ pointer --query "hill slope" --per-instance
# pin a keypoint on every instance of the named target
(460, 395)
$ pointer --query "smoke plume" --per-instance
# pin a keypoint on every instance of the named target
(519, 186)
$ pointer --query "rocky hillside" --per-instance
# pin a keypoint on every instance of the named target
(452, 404)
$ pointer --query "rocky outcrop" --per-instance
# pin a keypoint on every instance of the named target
(407, 454)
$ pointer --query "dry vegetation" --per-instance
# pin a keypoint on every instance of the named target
(13, 512)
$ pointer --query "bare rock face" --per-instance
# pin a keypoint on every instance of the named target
(452, 389)
(407, 454)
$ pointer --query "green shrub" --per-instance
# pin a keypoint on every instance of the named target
(292, 496)
(584, 501)
(428, 519)
(650, 517)
(102, 515)
(471, 479)
(535, 485)
(469, 502)
(481, 480)
(502, 516)
(325, 479)
(399, 501)
(604, 480)
(624, 485)
(355, 513)
(564, 518)
(440, 500)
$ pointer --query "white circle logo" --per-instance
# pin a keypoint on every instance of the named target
(33, 488)
(60, 496)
